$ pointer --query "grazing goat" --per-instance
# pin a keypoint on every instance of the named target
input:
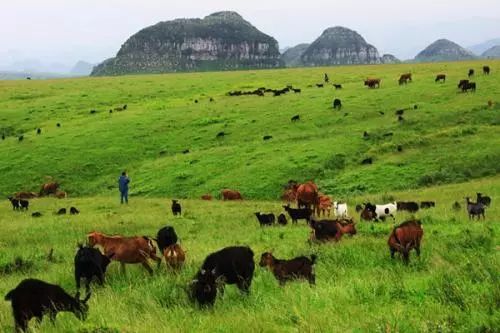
(471, 73)
(298, 213)
(295, 118)
(74, 211)
(231, 265)
(286, 270)
(36, 298)
(440, 78)
(265, 219)
(126, 250)
(174, 256)
(337, 86)
(405, 237)
(474, 209)
(337, 104)
(90, 263)
(61, 211)
(176, 208)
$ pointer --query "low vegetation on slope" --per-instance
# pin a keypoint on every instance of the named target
(450, 137)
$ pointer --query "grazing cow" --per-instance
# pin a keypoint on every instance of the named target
(403, 80)
(340, 209)
(471, 73)
(325, 205)
(90, 263)
(176, 208)
(326, 230)
(474, 209)
(15, 203)
(166, 237)
(440, 78)
(126, 250)
(231, 195)
(48, 188)
(456, 206)
(25, 195)
(282, 219)
(367, 161)
(39, 131)
(265, 219)
(61, 194)
(207, 197)
(461, 83)
(409, 206)
(298, 213)
(174, 256)
(61, 211)
(267, 137)
(486, 70)
(36, 298)
(337, 104)
(295, 118)
(286, 270)
(359, 208)
(21, 138)
(320, 85)
(36, 214)
(231, 265)
(337, 86)
(308, 195)
(427, 204)
(469, 86)
(372, 83)
(74, 211)
(486, 200)
(404, 238)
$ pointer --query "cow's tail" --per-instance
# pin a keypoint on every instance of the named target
(9, 295)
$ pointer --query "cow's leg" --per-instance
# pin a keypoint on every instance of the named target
(147, 267)
(21, 322)
(312, 279)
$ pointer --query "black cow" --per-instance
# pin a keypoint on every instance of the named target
(469, 86)
(74, 211)
(474, 209)
(231, 265)
(267, 137)
(409, 206)
(337, 104)
(427, 204)
(265, 219)
(61, 211)
(90, 263)
(471, 73)
(486, 70)
(176, 208)
(36, 298)
(298, 213)
(15, 203)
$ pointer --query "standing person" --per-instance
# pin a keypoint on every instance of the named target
(123, 187)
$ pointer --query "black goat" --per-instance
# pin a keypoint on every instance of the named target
(299, 213)
(474, 209)
(282, 219)
(176, 208)
(265, 219)
(74, 211)
(90, 263)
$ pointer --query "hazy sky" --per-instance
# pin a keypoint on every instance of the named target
(64, 31)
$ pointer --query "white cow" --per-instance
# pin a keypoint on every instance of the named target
(386, 210)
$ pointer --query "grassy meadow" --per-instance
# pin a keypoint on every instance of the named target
(450, 150)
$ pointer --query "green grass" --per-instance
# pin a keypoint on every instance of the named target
(450, 150)
(450, 138)
(453, 287)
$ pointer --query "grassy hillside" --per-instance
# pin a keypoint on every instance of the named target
(453, 287)
(451, 137)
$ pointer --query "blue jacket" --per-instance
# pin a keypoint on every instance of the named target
(123, 183)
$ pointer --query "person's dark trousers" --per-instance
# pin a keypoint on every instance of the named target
(124, 196)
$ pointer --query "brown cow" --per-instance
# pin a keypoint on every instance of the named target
(174, 256)
(25, 195)
(61, 195)
(207, 197)
(231, 195)
(126, 250)
(405, 78)
(440, 78)
(289, 195)
(49, 188)
(308, 195)
(405, 237)
(325, 204)
(372, 83)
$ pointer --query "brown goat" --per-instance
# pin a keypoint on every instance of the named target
(405, 237)
(285, 270)
(126, 250)
(174, 256)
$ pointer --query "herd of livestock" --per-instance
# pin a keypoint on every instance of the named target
(34, 298)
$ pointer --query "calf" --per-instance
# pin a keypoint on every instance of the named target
(282, 219)
(427, 204)
(298, 213)
(35, 298)
(326, 230)
(486, 200)
(176, 208)
(340, 209)
(409, 206)
(337, 104)
(404, 238)
(440, 78)
(74, 211)
(231, 265)
(126, 250)
(90, 263)
(286, 270)
(474, 209)
(265, 219)
(174, 256)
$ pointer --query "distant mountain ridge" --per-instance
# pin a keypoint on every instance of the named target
(444, 50)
